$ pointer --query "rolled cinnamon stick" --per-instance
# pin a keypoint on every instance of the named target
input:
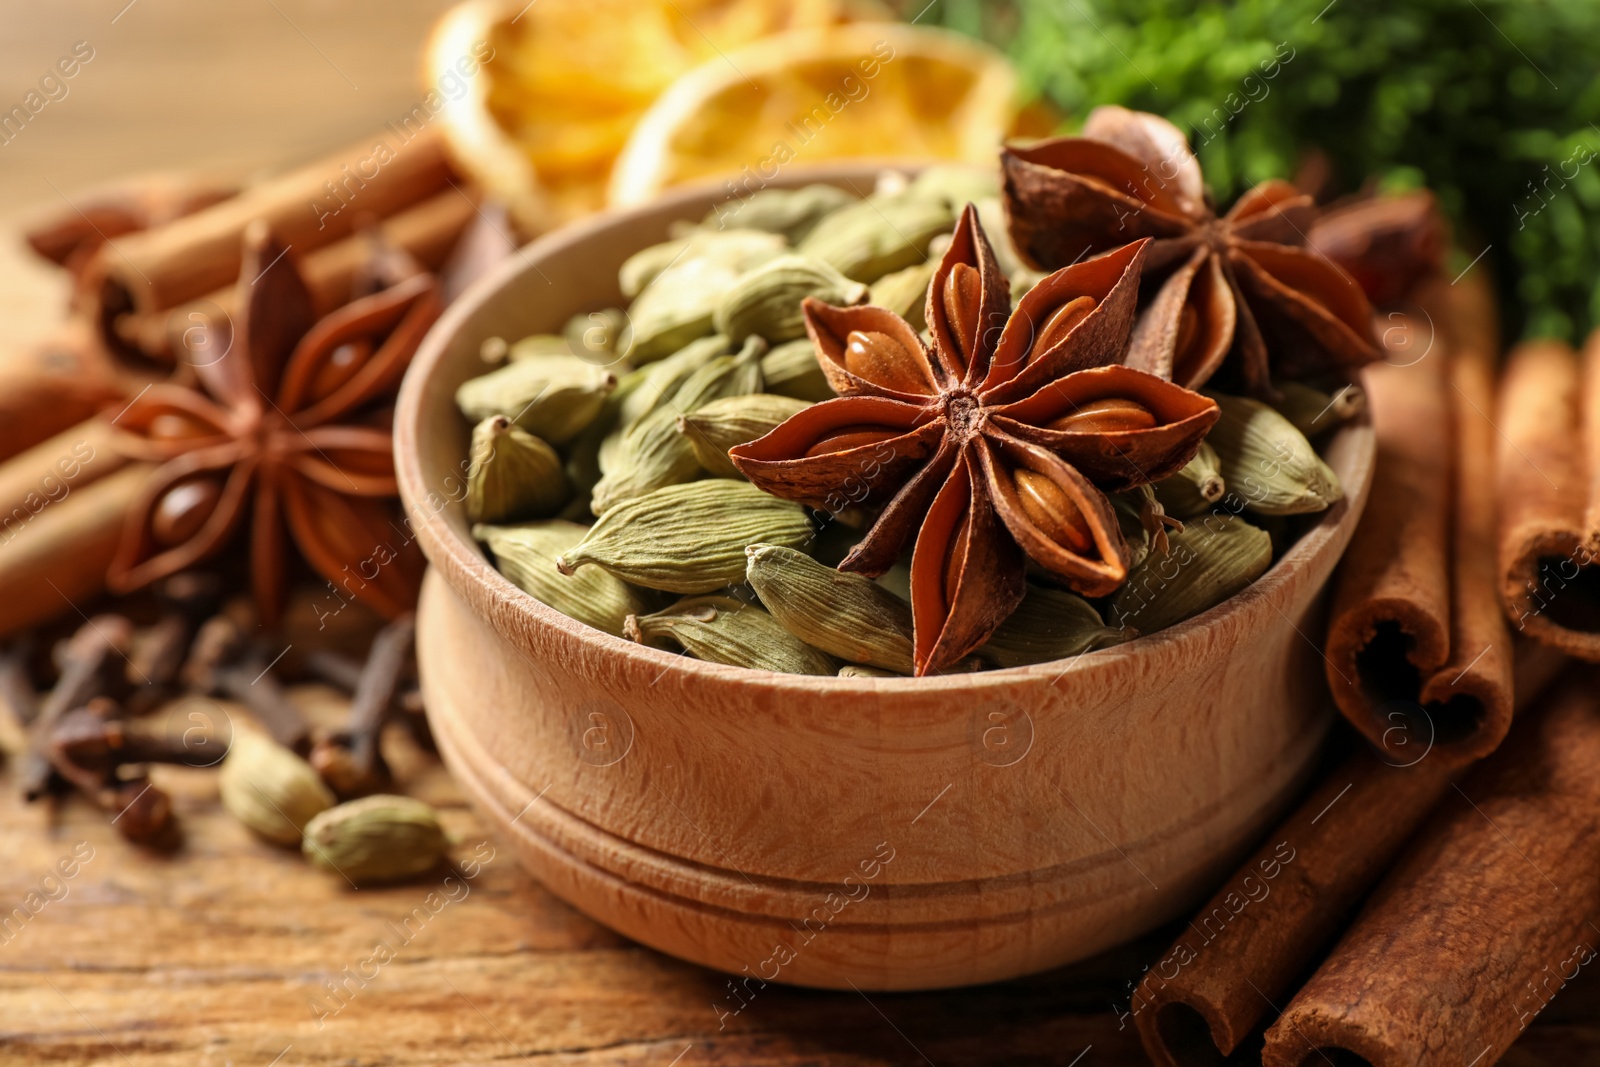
(1270, 923)
(427, 231)
(53, 384)
(1549, 531)
(307, 209)
(58, 559)
(1244, 949)
(1418, 655)
(1481, 923)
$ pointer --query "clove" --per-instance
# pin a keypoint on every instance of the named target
(159, 651)
(350, 761)
(92, 664)
(87, 748)
(222, 663)
(16, 685)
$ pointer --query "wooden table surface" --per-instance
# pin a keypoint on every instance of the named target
(226, 950)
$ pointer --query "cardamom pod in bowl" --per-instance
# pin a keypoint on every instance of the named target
(884, 831)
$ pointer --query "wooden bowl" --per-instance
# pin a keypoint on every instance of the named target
(890, 834)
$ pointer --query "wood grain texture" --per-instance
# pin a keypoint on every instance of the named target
(1034, 816)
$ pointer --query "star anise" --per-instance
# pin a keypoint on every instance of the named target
(287, 424)
(999, 442)
(1246, 281)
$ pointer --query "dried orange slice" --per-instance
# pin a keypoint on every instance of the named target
(537, 98)
(883, 90)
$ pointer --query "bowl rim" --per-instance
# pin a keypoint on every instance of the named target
(466, 567)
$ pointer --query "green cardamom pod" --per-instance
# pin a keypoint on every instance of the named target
(1049, 624)
(652, 453)
(1195, 487)
(855, 670)
(736, 249)
(791, 369)
(714, 428)
(677, 307)
(376, 839)
(526, 554)
(766, 301)
(270, 789)
(658, 381)
(597, 336)
(1269, 464)
(724, 629)
(879, 235)
(905, 292)
(553, 397)
(688, 538)
(513, 474)
(537, 345)
(790, 212)
(1206, 562)
(1314, 412)
(843, 614)
(955, 185)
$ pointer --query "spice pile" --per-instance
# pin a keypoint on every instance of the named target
(243, 354)
(955, 460)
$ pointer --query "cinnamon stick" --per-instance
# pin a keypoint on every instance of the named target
(307, 209)
(1418, 654)
(59, 559)
(1247, 945)
(1484, 920)
(1245, 949)
(54, 383)
(1549, 531)
(427, 231)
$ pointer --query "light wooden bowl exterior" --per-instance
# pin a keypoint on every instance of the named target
(890, 834)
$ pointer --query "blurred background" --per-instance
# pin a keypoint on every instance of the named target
(1492, 103)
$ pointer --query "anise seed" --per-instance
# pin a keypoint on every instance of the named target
(1053, 512)
(847, 437)
(183, 510)
(880, 359)
(1188, 330)
(952, 562)
(1110, 415)
(962, 292)
(1061, 322)
(170, 426)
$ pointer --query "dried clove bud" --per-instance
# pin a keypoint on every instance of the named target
(222, 663)
(351, 761)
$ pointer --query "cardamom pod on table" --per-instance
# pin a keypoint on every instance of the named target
(513, 474)
(1208, 561)
(724, 629)
(526, 554)
(376, 839)
(270, 789)
(1050, 624)
(845, 615)
(714, 428)
(688, 538)
(766, 301)
(881, 234)
(791, 369)
(1269, 464)
(553, 397)
(1195, 488)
